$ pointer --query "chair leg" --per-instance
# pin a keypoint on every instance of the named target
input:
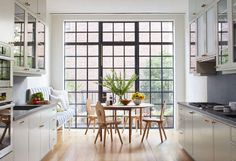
(99, 131)
(136, 125)
(87, 126)
(125, 122)
(149, 125)
(144, 131)
(159, 127)
(94, 123)
(119, 133)
(163, 130)
(111, 132)
(105, 135)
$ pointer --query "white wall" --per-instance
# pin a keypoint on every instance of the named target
(117, 6)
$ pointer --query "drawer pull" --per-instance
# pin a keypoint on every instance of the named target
(206, 120)
(21, 122)
(27, 3)
(41, 126)
(191, 112)
(213, 122)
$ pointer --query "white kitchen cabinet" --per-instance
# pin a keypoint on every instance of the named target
(181, 127)
(44, 138)
(188, 131)
(233, 143)
(211, 31)
(6, 20)
(20, 140)
(53, 132)
(34, 132)
(201, 35)
(221, 141)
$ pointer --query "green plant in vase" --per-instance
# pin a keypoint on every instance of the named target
(117, 85)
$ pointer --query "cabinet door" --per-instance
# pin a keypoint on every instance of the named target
(221, 141)
(188, 132)
(31, 41)
(41, 45)
(201, 35)
(202, 138)
(8, 157)
(6, 20)
(19, 37)
(20, 147)
(44, 138)
(234, 29)
(211, 31)
(193, 46)
(34, 132)
(29, 4)
(223, 32)
(53, 132)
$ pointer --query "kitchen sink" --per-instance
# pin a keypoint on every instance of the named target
(30, 107)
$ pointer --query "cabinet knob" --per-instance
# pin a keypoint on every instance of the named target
(41, 126)
(203, 5)
(21, 122)
(191, 112)
(27, 4)
(206, 120)
(213, 122)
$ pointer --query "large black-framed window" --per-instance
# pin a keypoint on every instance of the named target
(92, 49)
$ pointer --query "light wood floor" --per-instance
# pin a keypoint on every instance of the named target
(78, 147)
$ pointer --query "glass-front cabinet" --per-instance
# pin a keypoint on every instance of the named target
(193, 46)
(19, 37)
(29, 44)
(234, 29)
(41, 45)
(223, 32)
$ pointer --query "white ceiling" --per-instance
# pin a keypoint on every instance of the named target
(117, 6)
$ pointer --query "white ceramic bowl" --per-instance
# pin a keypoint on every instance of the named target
(232, 106)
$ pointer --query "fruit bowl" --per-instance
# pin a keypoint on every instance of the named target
(125, 101)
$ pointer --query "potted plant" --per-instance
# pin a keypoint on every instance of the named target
(117, 85)
(137, 98)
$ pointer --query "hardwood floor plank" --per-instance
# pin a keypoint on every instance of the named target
(79, 147)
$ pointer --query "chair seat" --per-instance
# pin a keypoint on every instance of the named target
(152, 120)
(92, 116)
(110, 122)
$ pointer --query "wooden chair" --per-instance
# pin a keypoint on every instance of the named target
(160, 123)
(91, 116)
(136, 119)
(104, 124)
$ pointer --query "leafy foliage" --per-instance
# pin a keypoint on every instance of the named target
(117, 85)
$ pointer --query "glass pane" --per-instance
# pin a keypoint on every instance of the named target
(167, 37)
(118, 37)
(156, 86)
(107, 37)
(144, 86)
(167, 26)
(168, 97)
(144, 74)
(107, 26)
(156, 50)
(93, 62)
(93, 74)
(156, 37)
(81, 50)
(144, 26)
(118, 50)
(107, 50)
(144, 62)
(69, 37)
(167, 50)
(70, 74)
(168, 85)
(129, 26)
(31, 45)
(156, 74)
(144, 50)
(82, 37)
(118, 61)
(81, 62)
(82, 74)
(70, 85)
(156, 62)
(41, 45)
(69, 50)
(156, 98)
(92, 50)
(129, 62)
(70, 62)
(107, 62)
(129, 37)
(155, 26)
(93, 37)
(168, 73)
(129, 73)
(93, 26)
(81, 86)
(144, 37)
(70, 27)
(118, 27)
(82, 26)
(167, 61)
(129, 50)
(93, 85)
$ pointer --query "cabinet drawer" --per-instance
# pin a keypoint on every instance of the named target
(47, 114)
(233, 152)
(34, 120)
(233, 134)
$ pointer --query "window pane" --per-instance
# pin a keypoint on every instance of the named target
(156, 74)
(118, 50)
(107, 37)
(167, 50)
(156, 50)
(93, 37)
(92, 26)
(144, 86)
(81, 62)
(118, 27)
(144, 62)
(107, 50)
(92, 74)
(69, 26)
(82, 37)
(107, 62)
(156, 26)
(156, 62)
(168, 85)
(129, 26)
(156, 86)
(144, 37)
(70, 37)
(129, 62)
(70, 50)
(129, 50)
(93, 62)
(81, 86)
(144, 74)
(107, 26)
(81, 74)
(118, 61)
(143, 26)
(70, 85)
(156, 37)
(144, 50)
(167, 26)
(93, 50)
(70, 62)
(156, 98)
(81, 50)
(70, 74)
(167, 62)
(167, 73)
(82, 26)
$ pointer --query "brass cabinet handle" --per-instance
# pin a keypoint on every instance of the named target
(206, 120)
(191, 112)
(21, 122)
(203, 5)
(213, 122)
(41, 126)
(27, 3)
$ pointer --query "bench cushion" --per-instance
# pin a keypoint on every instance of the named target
(64, 116)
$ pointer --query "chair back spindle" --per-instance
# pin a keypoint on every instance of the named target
(88, 107)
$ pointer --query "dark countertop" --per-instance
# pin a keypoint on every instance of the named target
(19, 114)
(218, 115)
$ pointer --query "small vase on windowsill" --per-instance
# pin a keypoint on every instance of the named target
(137, 101)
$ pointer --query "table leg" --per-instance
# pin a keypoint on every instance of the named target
(130, 126)
(140, 121)
(115, 119)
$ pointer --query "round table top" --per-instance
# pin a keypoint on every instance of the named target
(125, 107)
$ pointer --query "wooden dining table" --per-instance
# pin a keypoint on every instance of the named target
(131, 106)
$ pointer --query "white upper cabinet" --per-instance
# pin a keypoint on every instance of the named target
(211, 31)
(41, 10)
(30, 4)
(201, 37)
